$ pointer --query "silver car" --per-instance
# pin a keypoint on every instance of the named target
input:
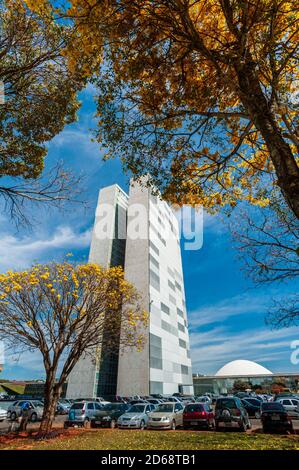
(81, 413)
(168, 415)
(3, 414)
(136, 416)
(63, 406)
(36, 409)
(291, 405)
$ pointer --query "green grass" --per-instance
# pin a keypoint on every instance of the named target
(106, 439)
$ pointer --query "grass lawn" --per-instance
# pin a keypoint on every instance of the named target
(116, 439)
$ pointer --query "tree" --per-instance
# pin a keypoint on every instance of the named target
(240, 386)
(202, 94)
(284, 312)
(39, 100)
(267, 240)
(62, 310)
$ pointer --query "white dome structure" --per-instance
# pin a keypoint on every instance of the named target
(241, 368)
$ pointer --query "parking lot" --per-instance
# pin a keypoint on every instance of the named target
(59, 421)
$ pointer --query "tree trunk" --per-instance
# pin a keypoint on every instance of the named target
(257, 106)
(52, 394)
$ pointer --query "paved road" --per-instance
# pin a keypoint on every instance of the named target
(59, 420)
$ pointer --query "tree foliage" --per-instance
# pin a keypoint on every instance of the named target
(62, 310)
(203, 94)
(39, 97)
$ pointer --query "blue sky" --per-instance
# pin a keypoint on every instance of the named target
(226, 312)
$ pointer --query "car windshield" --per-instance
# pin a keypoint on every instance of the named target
(64, 401)
(272, 406)
(37, 403)
(137, 409)
(226, 403)
(165, 408)
(193, 408)
(77, 406)
(112, 406)
(253, 401)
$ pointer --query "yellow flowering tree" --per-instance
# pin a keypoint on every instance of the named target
(203, 94)
(62, 310)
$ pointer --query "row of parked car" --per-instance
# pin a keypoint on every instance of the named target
(229, 413)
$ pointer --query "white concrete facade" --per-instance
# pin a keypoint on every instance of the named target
(153, 264)
(83, 381)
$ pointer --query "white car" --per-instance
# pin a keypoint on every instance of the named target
(291, 405)
(3, 414)
(102, 401)
(136, 416)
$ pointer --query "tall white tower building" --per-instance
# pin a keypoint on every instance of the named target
(149, 250)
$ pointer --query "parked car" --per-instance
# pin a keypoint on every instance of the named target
(82, 412)
(252, 406)
(97, 399)
(135, 402)
(154, 401)
(290, 405)
(274, 417)
(136, 416)
(114, 399)
(63, 406)
(173, 399)
(230, 413)
(109, 415)
(186, 400)
(36, 409)
(198, 415)
(168, 415)
(203, 399)
(3, 414)
(242, 395)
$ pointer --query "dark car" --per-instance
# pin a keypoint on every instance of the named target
(252, 406)
(135, 402)
(230, 413)
(275, 418)
(242, 395)
(109, 415)
(198, 415)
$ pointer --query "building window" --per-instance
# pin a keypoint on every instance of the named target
(180, 312)
(155, 340)
(156, 363)
(172, 299)
(154, 280)
(171, 285)
(167, 327)
(170, 271)
(154, 248)
(178, 286)
(154, 261)
(155, 352)
(181, 327)
(184, 370)
(165, 309)
(156, 387)
(176, 368)
(182, 343)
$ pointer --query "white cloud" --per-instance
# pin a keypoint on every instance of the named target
(234, 306)
(20, 252)
(211, 350)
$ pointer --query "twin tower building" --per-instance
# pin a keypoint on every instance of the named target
(140, 232)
